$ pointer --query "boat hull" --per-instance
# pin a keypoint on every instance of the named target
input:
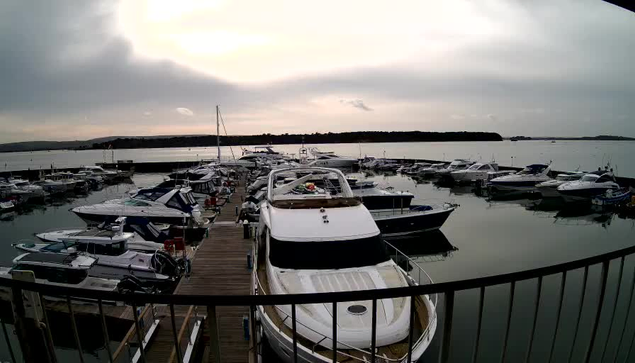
(401, 225)
(581, 195)
(91, 218)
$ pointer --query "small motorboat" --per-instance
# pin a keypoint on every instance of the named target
(397, 223)
(522, 181)
(589, 186)
(331, 160)
(6, 205)
(455, 165)
(60, 270)
(432, 170)
(477, 172)
(374, 197)
(549, 189)
(612, 197)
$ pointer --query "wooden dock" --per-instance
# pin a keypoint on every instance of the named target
(219, 267)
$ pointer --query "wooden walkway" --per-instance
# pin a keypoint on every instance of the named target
(219, 267)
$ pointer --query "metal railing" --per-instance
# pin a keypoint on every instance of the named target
(602, 305)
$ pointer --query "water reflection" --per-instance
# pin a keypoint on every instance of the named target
(431, 246)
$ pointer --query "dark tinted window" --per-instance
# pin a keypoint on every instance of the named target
(328, 255)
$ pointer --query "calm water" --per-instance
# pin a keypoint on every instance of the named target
(489, 237)
(565, 155)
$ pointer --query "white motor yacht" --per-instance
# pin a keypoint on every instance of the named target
(315, 236)
(455, 165)
(549, 189)
(107, 175)
(60, 270)
(475, 173)
(34, 191)
(258, 152)
(171, 206)
(146, 237)
(51, 186)
(431, 171)
(589, 186)
(114, 259)
(329, 159)
(523, 181)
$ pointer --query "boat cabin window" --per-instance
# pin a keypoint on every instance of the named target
(484, 167)
(149, 194)
(136, 203)
(112, 249)
(589, 178)
(57, 275)
(605, 179)
(58, 247)
(327, 255)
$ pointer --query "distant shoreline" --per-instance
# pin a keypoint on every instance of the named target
(583, 138)
(240, 140)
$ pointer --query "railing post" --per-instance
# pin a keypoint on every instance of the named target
(509, 319)
(295, 334)
(48, 338)
(411, 327)
(447, 327)
(477, 341)
(74, 326)
(214, 340)
(135, 315)
(177, 343)
(30, 339)
(577, 323)
(617, 296)
(254, 333)
(8, 341)
(533, 326)
(334, 332)
(596, 322)
(628, 312)
(373, 332)
(555, 333)
(104, 329)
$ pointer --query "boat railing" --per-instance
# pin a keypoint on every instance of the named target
(399, 256)
(324, 337)
(581, 298)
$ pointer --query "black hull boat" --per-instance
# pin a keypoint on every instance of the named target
(397, 223)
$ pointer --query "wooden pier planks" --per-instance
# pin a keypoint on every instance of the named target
(219, 267)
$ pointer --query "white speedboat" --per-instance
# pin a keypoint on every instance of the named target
(60, 270)
(107, 175)
(146, 236)
(65, 178)
(455, 165)
(474, 173)
(414, 169)
(317, 237)
(260, 152)
(6, 205)
(51, 186)
(398, 222)
(329, 159)
(171, 206)
(431, 171)
(589, 186)
(34, 191)
(523, 181)
(549, 189)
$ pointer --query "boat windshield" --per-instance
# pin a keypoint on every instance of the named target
(590, 178)
(475, 166)
(327, 255)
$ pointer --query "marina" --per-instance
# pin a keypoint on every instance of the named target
(220, 261)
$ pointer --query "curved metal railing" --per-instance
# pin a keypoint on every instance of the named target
(448, 289)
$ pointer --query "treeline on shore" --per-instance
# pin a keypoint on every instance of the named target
(315, 138)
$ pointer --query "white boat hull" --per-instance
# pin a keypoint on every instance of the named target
(282, 344)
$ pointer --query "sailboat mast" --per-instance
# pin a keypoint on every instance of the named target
(218, 133)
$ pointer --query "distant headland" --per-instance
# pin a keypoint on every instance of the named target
(139, 142)
(589, 138)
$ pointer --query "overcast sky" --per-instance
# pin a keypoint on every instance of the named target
(83, 69)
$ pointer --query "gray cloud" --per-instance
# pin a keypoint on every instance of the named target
(357, 103)
(64, 60)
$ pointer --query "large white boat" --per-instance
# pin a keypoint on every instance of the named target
(107, 175)
(549, 189)
(589, 186)
(455, 165)
(475, 173)
(329, 159)
(523, 181)
(260, 152)
(315, 236)
(431, 170)
(171, 206)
